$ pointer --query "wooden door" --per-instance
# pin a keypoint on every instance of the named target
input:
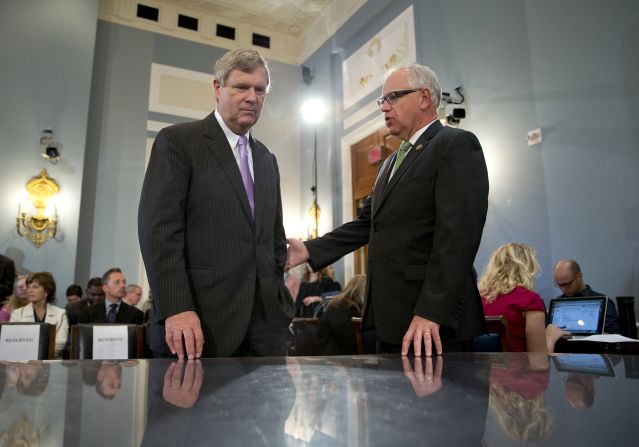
(367, 155)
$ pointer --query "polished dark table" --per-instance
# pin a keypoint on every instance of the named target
(455, 400)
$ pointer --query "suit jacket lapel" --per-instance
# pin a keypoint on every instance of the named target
(222, 151)
(420, 145)
(381, 181)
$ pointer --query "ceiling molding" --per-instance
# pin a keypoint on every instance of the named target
(297, 28)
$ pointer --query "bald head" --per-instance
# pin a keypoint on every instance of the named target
(568, 277)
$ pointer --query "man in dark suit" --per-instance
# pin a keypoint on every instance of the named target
(7, 277)
(93, 294)
(112, 309)
(210, 226)
(423, 223)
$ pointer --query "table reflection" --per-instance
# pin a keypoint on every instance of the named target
(456, 399)
(517, 397)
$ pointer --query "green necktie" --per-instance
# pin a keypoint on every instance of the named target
(401, 154)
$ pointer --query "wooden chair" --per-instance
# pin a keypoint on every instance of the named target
(46, 344)
(497, 339)
(366, 341)
(357, 324)
(304, 331)
(82, 340)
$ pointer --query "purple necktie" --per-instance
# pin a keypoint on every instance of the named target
(246, 172)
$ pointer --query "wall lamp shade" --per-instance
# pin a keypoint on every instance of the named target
(42, 225)
(313, 111)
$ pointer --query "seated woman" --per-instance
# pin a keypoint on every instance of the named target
(41, 295)
(336, 333)
(314, 284)
(15, 301)
(507, 288)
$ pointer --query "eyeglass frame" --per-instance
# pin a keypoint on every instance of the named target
(392, 97)
(566, 284)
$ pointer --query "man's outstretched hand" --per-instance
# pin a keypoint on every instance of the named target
(297, 253)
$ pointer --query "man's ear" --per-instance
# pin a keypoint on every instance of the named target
(216, 89)
(427, 100)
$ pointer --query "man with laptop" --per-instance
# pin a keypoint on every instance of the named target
(569, 279)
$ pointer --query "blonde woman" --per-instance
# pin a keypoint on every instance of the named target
(507, 288)
(41, 295)
(17, 300)
(336, 333)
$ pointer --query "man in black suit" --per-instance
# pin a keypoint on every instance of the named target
(423, 222)
(7, 277)
(210, 226)
(93, 294)
(112, 309)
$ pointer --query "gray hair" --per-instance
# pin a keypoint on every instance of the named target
(242, 59)
(131, 287)
(420, 76)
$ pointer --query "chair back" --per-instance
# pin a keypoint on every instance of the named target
(627, 319)
(304, 331)
(46, 342)
(82, 340)
(497, 339)
(366, 341)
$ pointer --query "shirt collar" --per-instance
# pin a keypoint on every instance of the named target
(107, 303)
(419, 133)
(231, 136)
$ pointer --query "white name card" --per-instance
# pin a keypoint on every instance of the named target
(19, 341)
(110, 342)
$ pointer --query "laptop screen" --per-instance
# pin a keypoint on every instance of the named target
(579, 316)
(597, 364)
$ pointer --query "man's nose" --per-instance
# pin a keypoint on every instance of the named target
(251, 95)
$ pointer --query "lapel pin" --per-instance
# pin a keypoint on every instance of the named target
(419, 146)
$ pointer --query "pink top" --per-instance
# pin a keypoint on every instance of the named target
(5, 315)
(512, 306)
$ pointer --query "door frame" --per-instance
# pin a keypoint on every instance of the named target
(347, 141)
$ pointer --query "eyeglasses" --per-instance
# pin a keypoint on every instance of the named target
(563, 285)
(392, 97)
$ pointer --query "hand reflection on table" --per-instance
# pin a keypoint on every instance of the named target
(425, 380)
(183, 382)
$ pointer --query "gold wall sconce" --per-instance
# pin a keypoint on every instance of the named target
(42, 225)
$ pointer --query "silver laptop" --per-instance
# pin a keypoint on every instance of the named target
(597, 364)
(581, 316)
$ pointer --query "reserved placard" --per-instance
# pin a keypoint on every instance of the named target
(110, 342)
(19, 341)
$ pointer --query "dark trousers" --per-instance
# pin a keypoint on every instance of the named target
(264, 338)
(391, 348)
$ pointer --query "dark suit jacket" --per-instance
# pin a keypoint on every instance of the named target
(7, 277)
(73, 311)
(97, 314)
(336, 333)
(423, 228)
(202, 249)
